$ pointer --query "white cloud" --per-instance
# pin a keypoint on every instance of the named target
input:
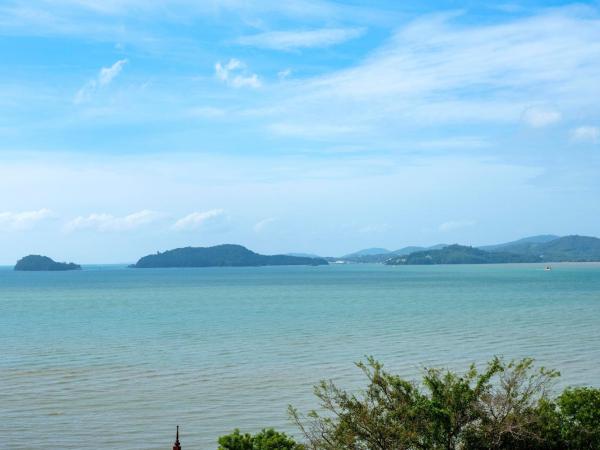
(25, 220)
(438, 71)
(539, 117)
(455, 225)
(283, 74)
(108, 222)
(196, 220)
(289, 40)
(263, 224)
(107, 74)
(586, 134)
(104, 78)
(234, 74)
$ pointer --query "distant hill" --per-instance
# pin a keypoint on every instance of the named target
(540, 248)
(367, 252)
(411, 249)
(460, 254)
(554, 249)
(373, 256)
(38, 263)
(220, 256)
(302, 255)
(521, 245)
(569, 248)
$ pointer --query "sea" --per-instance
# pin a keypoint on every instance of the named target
(110, 357)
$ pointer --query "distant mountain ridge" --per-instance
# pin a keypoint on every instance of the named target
(535, 249)
(521, 244)
(371, 255)
(367, 252)
(459, 254)
(221, 256)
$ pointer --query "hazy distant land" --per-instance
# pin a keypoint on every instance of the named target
(541, 249)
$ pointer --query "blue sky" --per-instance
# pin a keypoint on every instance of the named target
(131, 126)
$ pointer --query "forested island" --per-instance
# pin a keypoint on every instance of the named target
(38, 263)
(460, 254)
(226, 255)
(543, 248)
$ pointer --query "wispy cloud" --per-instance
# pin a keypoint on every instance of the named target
(455, 225)
(234, 74)
(439, 71)
(261, 225)
(283, 74)
(290, 40)
(104, 78)
(25, 220)
(108, 222)
(213, 219)
(539, 117)
(589, 134)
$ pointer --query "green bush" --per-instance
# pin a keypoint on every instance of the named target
(505, 406)
(267, 439)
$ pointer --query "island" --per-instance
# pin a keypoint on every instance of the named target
(38, 263)
(226, 255)
(460, 254)
(545, 248)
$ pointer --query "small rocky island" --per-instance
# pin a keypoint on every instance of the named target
(226, 255)
(37, 263)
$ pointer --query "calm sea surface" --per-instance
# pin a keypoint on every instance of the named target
(110, 357)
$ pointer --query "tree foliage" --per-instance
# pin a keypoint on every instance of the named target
(507, 405)
(267, 439)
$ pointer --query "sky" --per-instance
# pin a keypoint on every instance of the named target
(129, 126)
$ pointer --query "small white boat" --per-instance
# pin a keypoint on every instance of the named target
(548, 268)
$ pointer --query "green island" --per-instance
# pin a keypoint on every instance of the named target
(226, 255)
(503, 406)
(39, 263)
(543, 248)
(461, 254)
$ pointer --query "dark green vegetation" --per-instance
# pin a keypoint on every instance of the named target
(507, 246)
(460, 254)
(504, 406)
(267, 439)
(507, 405)
(34, 263)
(221, 255)
(379, 255)
(567, 248)
(544, 248)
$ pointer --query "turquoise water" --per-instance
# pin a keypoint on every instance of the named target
(110, 357)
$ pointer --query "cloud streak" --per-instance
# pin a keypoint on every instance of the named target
(108, 223)
(438, 71)
(104, 78)
(212, 219)
(25, 220)
(234, 73)
(292, 40)
(586, 134)
(261, 225)
(539, 117)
